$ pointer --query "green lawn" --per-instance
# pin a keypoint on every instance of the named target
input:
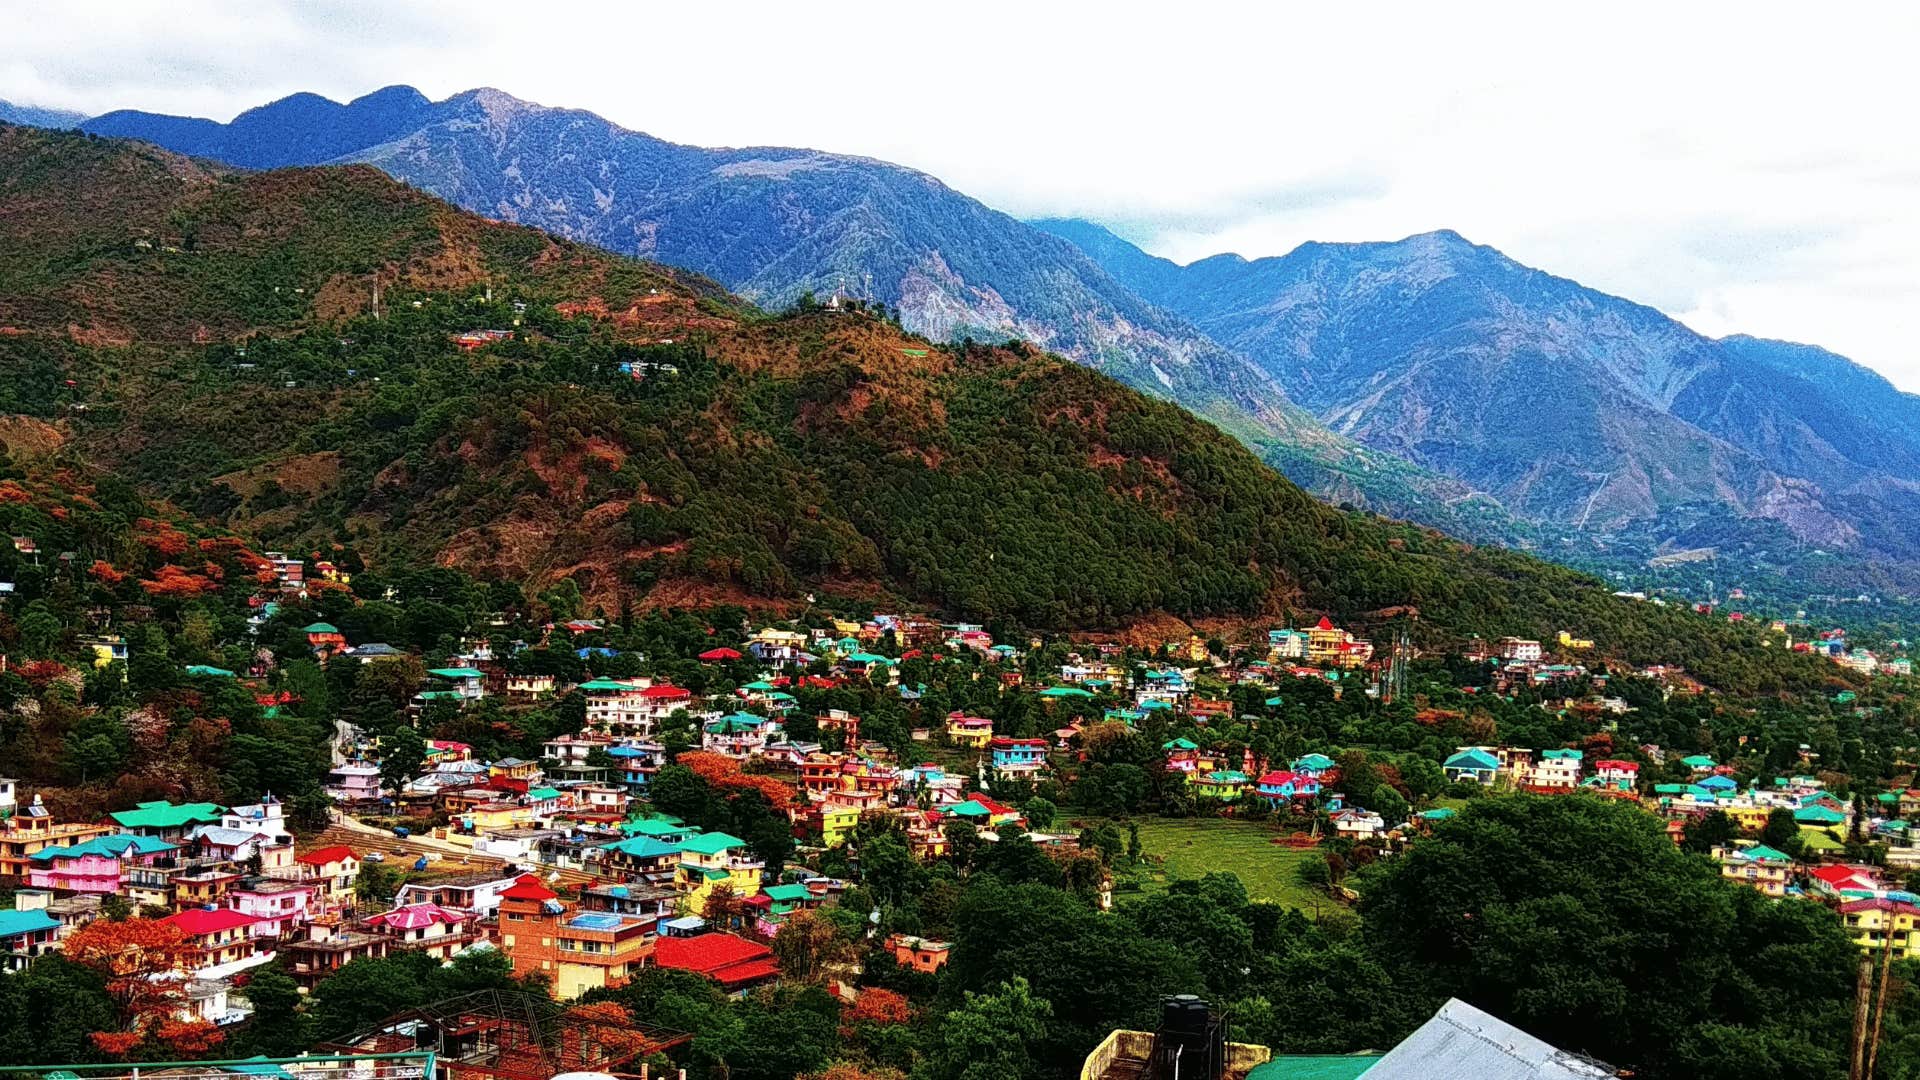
(1178, 848)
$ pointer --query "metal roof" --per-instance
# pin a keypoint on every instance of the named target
(1464, 1043)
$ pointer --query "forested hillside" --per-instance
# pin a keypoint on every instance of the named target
(209, 338)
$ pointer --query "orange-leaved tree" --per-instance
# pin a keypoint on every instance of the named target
(144, 962)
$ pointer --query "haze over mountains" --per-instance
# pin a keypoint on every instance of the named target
(1449, 375)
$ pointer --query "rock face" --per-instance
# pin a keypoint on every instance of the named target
(1570, 406)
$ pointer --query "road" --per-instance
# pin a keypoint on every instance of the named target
(445, 857)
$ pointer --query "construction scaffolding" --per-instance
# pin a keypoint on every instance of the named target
(502, 1035)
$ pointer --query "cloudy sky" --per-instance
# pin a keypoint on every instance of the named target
(1745, 167)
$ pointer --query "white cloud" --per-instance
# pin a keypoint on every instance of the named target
(1746, 167)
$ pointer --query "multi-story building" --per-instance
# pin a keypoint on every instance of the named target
(328, 948)
(25, 934)
(1285, 644)
(712, 859)
(1757, 866)
(1017, 758)
(740, 735)
(972, 732)
(95, 866)
(577, 951)
(631, 708)
(1874, 920)
(167, 821)
(1557, 770)
(426, 928)
(220, 942)
(1520, 650)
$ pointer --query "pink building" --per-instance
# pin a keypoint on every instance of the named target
(279, 906)
(428, 928)
(94, 866)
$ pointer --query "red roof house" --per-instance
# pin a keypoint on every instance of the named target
(714, 656)
(735, 963)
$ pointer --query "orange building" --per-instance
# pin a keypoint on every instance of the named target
(578, 951)
(33, 829)
(918, 953)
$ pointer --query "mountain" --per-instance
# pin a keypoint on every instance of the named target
(37, 117)
(1570, 406)
(777, 224)
(656, 441)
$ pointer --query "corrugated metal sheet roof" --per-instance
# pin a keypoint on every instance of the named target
(1464, 1043)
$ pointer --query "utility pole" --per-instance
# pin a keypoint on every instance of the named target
(1862, 997)
(1880, 1002)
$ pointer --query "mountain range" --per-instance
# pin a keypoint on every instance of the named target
(203, 337)
(1430, 377)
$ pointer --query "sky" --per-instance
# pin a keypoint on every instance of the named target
(1748, 167)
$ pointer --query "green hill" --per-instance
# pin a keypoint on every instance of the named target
(208, 337)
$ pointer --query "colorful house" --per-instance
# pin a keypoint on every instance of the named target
(333, 868)
(1616, 774)
(986, 813)
(1557, 770)
(577, 951)
(972, 732)
(167, 821)
(1874, 920)
(429, 928)
(918, 953)
(1224, 785)
(1017, 758)
(740, 735)
(220, 942)
(1758, 867)
(324, 638)
(1281, 788)
(94, 866)
(25, 935)
(712, 859)
(1471, 763)
(736, 963)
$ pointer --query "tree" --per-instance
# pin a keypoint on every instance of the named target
(1039, 812)
(1389, 804)
(989, 1037)
(1702, 834)
(807, 945)
(402, 752)
(279, 1028)
(1580, 921)
(1781, 832)
(141, 961)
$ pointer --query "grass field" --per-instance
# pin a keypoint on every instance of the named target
(1180, 848)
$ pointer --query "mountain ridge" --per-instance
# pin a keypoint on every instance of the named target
(776, 224)
(1423, 346)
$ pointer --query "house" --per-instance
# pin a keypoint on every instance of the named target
(1568, 641)
(577, 951)
(1462, 1041)
(478, 893)
(1357, 824)
(918, 953)
(240, 846)
(1221, 785)
(278, 906)
(325, 639)
(777, 646)
(1183, 755)
(467, 684)
(25, 935)
(1281, 788)
(220, 941)
(529, 687)
(95, 865)
(721, 655)
(1699, 763)
(441, 933)
(1520, 650)
(986, 813)
(737, 964)
(972, 732)
(1878, 923)
(373, 650)
(333, 868)
(1316, 765)
(712, 859)
(354, 782)
(1616, 774)
(326, 949)
(264, 817)
(632, 709)
(1285, 644)
(1556, 771)
(167, 821)
(740, 735)
(1471, 763)
(640, 858)
(834, 822)
(1757, 866)
(1017, 758)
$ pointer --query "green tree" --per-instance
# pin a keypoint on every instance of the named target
(991, 1036)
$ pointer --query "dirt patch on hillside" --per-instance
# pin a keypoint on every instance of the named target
(26, 437)
(302, 475)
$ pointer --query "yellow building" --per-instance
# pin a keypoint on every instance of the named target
(1568, 641)
(1758, 867)
(837, 823)
(972, 732)
(712, 859)
(1870, 921)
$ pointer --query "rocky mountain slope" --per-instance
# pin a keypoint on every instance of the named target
(1570, 406)
(38, 117)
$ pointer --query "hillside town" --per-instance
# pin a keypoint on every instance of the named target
(572, 866)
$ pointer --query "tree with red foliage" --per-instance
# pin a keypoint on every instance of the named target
(143, 962)
(162, 537)
(103, 572)
(172, 581)
(876, 1005)
(724, 774)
